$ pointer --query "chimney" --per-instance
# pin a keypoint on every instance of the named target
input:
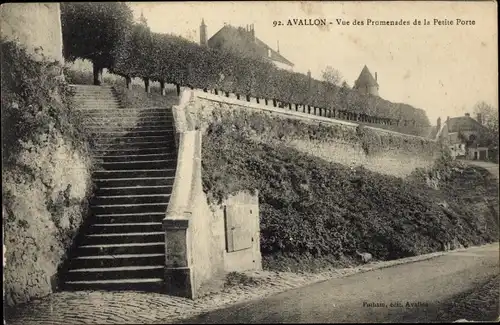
(375, 76)
(467, 114)
(480, 118)
(203, 33)
(438, 123)
(447, 120)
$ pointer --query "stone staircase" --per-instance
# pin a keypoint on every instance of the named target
(123, 246)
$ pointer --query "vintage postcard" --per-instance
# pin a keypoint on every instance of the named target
(250, 162)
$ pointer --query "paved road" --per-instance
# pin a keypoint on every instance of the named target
(429, 285)
(491, 167)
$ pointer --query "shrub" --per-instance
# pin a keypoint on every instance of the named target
(34, 101)
(172, 59)
(45, 174)
(310, 207)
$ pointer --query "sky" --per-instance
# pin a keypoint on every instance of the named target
(443, 69)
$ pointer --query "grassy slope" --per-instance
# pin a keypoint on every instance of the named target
(45, 173)
(315, 213)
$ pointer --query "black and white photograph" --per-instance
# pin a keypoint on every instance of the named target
(254, 162)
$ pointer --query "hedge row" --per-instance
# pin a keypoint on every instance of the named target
(171, 59)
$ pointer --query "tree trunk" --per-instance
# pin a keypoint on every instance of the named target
(146, 85)
(97, 72)
(162, 88)
(178, 87)
(128, 82)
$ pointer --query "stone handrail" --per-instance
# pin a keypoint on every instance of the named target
(178, 261)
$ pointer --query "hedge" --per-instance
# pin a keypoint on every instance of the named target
(172, 59)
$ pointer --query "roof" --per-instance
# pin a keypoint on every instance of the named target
(464, 123)
(365, 79)
(237, 38)
(467, 123)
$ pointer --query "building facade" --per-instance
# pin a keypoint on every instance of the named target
(243, 41)
(467, 138)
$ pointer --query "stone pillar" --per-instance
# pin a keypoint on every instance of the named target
(178, 274)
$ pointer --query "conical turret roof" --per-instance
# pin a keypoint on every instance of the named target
(365, 79)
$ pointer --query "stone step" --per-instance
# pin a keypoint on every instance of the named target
(123, 128)
(122, 112)
(95, 99)
(94, 94)
(119, 145)
(132, 151)
(130, 217)
(96, 261)
(126, 110)
(129, 208)
(134, 132)
(115, 249)
(133, 190)
(80, 90)
(123, 228)
(135, 181)
(142, 284)
(126, 139)
(130, 199)
(99, 101)
(136, 158)
(152, 164)
(127, 123)
(115, 273)
(139, 173)
(124, 125)
(128, 238)
(89, 106)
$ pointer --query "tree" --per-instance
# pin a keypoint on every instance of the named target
(489, 115)
(92, 30)
(332, 76)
